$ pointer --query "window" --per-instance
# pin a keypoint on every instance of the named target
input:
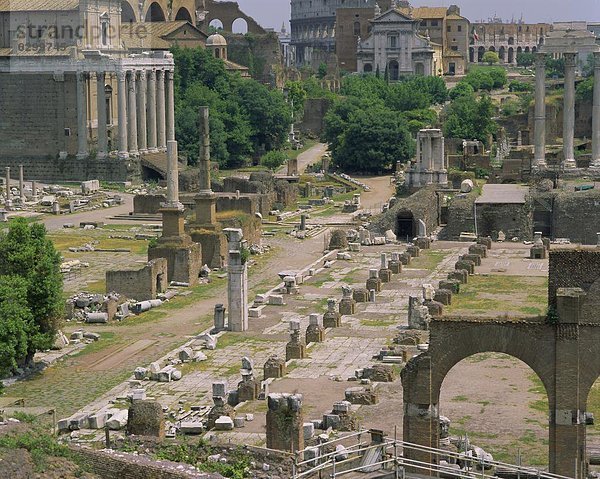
(454, 48)
(356, 29)
(434, 23)
(424, 23)
(104, 28)
(393, 42)
(448, 28)
(460, 28)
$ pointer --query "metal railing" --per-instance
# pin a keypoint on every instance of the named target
(388, 455)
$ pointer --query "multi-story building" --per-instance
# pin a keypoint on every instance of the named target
(446, 27)
(76, 103)
(395, 47)
(572, 37)
(506, 39)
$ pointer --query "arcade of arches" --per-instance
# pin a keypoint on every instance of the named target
(562, 353)
(157, 10)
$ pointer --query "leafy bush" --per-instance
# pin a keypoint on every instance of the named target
(273, 160)
(462, 89)
(519, 86)
(490, 58)
(525, 59)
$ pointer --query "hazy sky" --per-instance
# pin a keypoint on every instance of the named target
(271, 13)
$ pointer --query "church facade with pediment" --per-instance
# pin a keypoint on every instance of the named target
(395, 46)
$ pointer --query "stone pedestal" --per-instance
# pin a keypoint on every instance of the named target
(443, 296)
(374, 282)
(404, 258)
(475, 258)
(332, 318)
(414, 251)
(347, 303)
(452, 285)
(284, 422)
(423, 242)
(478, 249)
(146, 418)
(296, 347)
(219, 318)
(537, 252)
(360, 295)
(385, 275)
(487, 241)
(274, 367)
(315, 333)
(469, 266)
(436, 309)
(460, 275)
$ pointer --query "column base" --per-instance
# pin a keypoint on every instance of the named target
(539, 165)
(143, 151)
(162, 149)
(102, 155)
(123, 155)
(569, 164)
(153, 150)
(134, 153)
(595, 164)
(83, 156)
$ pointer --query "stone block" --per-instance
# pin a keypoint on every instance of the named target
(295, 350)
(469, 266)
(360, 395)
(285, 409)
(146, 418)
(374, 283)
(219, 389)
(478, 249)
(308, 430)
(224, 423)
(385, 275)
(460, 275)
(347, 306)
(423, 242)
(436, 309)
(443, 296)
(274, 367)
(354, 247)
(395, 267)
(341, 407)
(361, 295)
(191, 427)
(383, 373)
(332, 319)
(451, 285)
(414, 251)
(537, 252)
(487, 241)
(276, 300)
(404, 258)
(97, 421)
(475, 258)
(255, 312)
(239, 422)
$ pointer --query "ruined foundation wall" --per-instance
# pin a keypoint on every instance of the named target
(514, 220)
(315, 110)
(576, 215)
(461, 217)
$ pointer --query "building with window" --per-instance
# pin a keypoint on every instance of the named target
(506, 39)
(395, 48)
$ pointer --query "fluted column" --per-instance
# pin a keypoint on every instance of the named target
(101, 106)
(170, 106)
(540, 111)
(141, 114)
(569, 112)
(82, 137)
(132, 111)
(152, 111)
(122, 100)
(596, 113)
(160, 111)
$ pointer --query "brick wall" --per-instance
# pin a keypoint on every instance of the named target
(576, 215)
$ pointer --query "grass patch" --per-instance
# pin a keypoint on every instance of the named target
(379, 323)
(460, 399)
(429, 259)
(106, 339)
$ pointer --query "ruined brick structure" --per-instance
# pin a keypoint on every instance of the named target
(142, 284)
(561, 351)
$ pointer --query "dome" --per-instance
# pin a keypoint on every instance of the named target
(216, 40)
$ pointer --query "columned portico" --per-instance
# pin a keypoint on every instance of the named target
(569, 112)
(152, 112)
(540, 111)
(82, 137)
(102, 126)
(161, 111)
(141, 112)
(596, 114)
(122, 101)
(132, 110)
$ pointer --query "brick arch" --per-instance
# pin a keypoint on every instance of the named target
(157, 9)
(227, 12)
(128, 12)
(189, 7)
(564, 355)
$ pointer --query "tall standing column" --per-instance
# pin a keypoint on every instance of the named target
(82, 138)
(540, 111)
(596, 114)
(160, 110)
(152, 111)
(141, 115)
(172, 175)
(237, 286)
(7, 185)
(122, 100)
(170, 106)
(569, 112)
(206, 209)
(132, 110)
(21, 184)
(102, 120)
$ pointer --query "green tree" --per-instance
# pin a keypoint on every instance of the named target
(297, 94)
(273, 160)
(519, 86)
(15, 323)
(461, 89)
(555, 68)
(525, 59)
(470, 118)
(26, 253)
(322, 71)
(490, 58)
(373, 141)
(585, 90)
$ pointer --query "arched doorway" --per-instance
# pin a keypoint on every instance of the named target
(492, 49)
(502, 54)
(479, 396)
(472, 55)
(394, 70)
(419, 69)
(526, 49)
(511, 55)
(184, 14)
(405, 225)
(368, 68)
(519, 50)
(480, 53)
(533, 49)
(127, 13)
(239, 26)
(155, 13)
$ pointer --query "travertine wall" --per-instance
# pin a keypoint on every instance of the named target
(576, 215)
(142, 284)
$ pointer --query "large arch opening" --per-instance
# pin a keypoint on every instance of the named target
(368, 68)
(472, 54)
(502, 54)
(480, 53)
(511, 55)
(184, 14)
(216, 24)
(239, 26)
(405, 225)
(155, 13)
(499, 404)
(127, 13)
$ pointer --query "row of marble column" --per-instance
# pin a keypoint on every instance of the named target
(146, 112)
(568, 112)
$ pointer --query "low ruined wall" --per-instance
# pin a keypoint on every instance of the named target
(147, 204)
(514, 220)
(117, 465)
(576, 215)
(461, 217)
